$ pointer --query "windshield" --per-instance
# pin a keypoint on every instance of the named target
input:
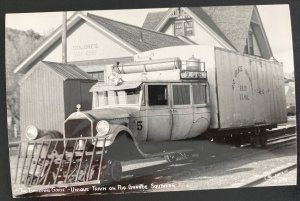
(120, 97)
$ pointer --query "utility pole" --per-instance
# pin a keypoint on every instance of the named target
(64, 38)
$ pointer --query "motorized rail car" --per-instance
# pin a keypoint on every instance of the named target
(156, 100)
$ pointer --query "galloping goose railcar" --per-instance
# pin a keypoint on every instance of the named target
(201, 90)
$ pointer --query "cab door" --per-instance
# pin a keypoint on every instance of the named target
(158, 112)
(181, 109)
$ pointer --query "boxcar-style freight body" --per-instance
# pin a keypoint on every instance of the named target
(245, 91)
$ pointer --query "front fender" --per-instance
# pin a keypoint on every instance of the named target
(114, 130)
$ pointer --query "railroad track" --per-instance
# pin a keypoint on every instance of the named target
(285, 138)
(165, 169)
(268, 176)
(162, 172)
(169, 169)
(276, 141)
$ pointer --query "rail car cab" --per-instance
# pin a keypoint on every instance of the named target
(150, 101)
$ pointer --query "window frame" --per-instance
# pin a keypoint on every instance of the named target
(183, 23)
(250, 43)
(192, 27)
(147, 95)
(207, 95)
(172, 96)
(106, 99)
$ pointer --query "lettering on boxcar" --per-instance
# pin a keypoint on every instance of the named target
(238, 70)
(243, 87)
(239, 84)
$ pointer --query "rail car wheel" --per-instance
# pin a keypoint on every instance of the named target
(258, 138)
(263, 140)
(112, 171)
(254, 141)
(115, 170)
(123, 148)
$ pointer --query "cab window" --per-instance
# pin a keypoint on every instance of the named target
(158, 95)
(181, 94)
(200, 93)
(120, 97)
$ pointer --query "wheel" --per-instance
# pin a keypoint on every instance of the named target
(254, 141)
(112, 171)
(258, 138)
(115, 170)
(171, 158)
(237, 140)
(123, 148)
(263, 140)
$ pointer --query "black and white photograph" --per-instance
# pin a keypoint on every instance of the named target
(150, 100)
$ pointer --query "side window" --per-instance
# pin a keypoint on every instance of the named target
(181, 94)
(158, 94)
(199, 92)
(99, 99)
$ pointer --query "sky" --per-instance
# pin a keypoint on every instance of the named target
(275, 18)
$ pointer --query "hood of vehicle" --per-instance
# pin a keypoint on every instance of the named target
(104, 113)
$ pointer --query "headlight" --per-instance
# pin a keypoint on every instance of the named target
(32, 132)
(102, 127)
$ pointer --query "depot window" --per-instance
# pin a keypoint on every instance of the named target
(181, 94)
(158, 95)
(183, 28)
(249, 48)
(200, 93)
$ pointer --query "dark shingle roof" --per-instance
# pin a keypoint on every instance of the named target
(68, 71)
(140, 38)
(152, 19)
(201, 14)
(233, 21)
(230, 22)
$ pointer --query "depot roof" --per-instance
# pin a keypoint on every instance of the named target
(136, 39)
(142, 39)
(231, 23)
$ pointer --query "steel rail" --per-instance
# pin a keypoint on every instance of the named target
(264, 178)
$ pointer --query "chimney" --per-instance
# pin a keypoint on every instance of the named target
(64, 38)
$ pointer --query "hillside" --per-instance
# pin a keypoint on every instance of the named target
(18, 45)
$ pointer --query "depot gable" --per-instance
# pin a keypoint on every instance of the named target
(84, 42)
(237, 28)
(93, 41)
